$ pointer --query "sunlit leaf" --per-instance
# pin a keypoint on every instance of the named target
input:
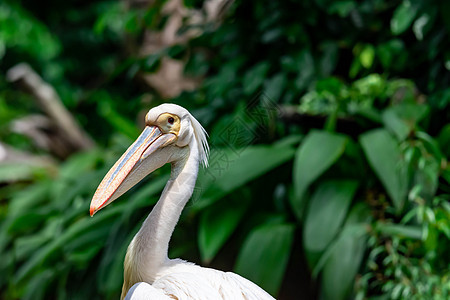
(15, 172)
(367, 56)
(404, 15)
(424, 23)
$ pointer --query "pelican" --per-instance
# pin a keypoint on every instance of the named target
(171, 135)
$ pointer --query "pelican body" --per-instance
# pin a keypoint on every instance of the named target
(171, 135)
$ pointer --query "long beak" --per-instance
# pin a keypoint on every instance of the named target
(118, 180)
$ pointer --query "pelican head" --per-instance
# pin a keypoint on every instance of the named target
(168, 129)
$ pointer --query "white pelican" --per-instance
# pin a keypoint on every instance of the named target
(171, 135)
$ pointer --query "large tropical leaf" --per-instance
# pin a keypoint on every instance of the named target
(343, 260)
(217, 223)
(384, 157)
(326, 212)
(265, 254)
(318, 151)
(228, 170)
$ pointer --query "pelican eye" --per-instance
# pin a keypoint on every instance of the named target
(170, 120)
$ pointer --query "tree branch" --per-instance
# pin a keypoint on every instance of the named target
(51, 104)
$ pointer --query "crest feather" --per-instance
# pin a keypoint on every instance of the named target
(202, 140)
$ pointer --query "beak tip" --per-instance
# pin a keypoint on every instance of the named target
(92, 211)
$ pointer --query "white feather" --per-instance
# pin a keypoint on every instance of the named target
(144, 291)
(188, 281)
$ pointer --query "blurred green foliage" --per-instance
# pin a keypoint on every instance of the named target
(354, 195)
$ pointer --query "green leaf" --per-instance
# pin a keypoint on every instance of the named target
(390, 51)
(229, 170)
(217, 223)
(384, 157)
(403, 17)
(367, 56)
(341, 268)
(264, 256)
(32, 196)
(345, 256)
(28, 221)
(94, 237)
(110, 272)
(25, 33)
(74, 231)
(36, 287)
(426, 172)
(15, 172)
(177, 51)
(446, 175)
(349, 231)
(26, 245)
(319, 150)
(152, 63)
(80, 163)
(329, 58)
(395, 124)
(326, 212)
(355, 68)
(409, 112)
(255, 77)
(444, 140)
(275, 86)
(424, 23)
(402, 119)
(404, 231)
(143, 197)
(304, 61)
(81, 257)
(116, 119)
(342, 8)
